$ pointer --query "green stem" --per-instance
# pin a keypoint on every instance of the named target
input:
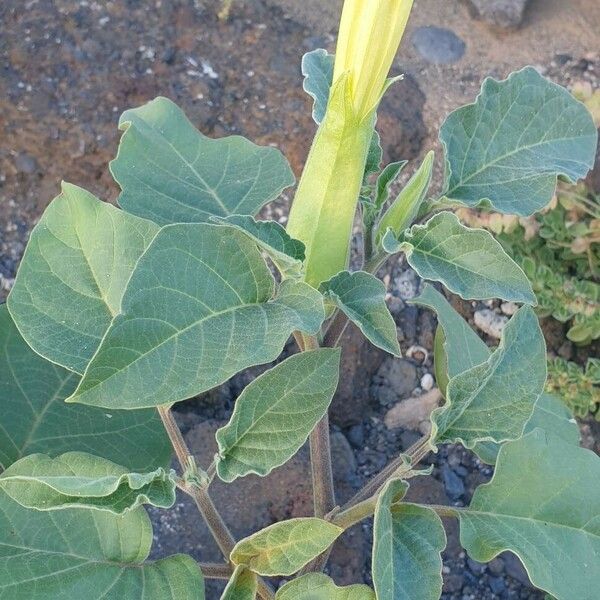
(356, 513)
(216, 571)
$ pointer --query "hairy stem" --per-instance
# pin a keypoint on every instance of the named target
(216, 570)
(320, 457)
(199, 494)
(356, 513)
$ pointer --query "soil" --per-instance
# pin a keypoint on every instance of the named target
(69, 68)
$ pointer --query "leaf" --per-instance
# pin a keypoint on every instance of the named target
(76, 553)
(286, 252)
(374, 154)
(464, 349)
(35, 418)
(78, 479)
(73, 274)
(403, 210)
(317, 69)
(469, 262)
(198, 309)
(317, 586)
(171, 173)
(242, 585)
(387, 176)
(549, 414)
(285, 547)
(543, 504)
(494, 400)
(508, 148)
(407, 543)
(275, 414)
(361, 297)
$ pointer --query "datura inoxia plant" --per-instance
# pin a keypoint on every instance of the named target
(116, 314)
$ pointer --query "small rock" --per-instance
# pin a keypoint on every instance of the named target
(515, 569)
(497, 585)
(356, 436)
(427, 381)
(414, 412)
(399, 375)
(509, 308)
(417, 353)
(25, 163)
(505, 14)
(438, 45)
(489, 322)
(407, 284)
(452, 482)
(342, 455)
(477, 567)
(496, 566)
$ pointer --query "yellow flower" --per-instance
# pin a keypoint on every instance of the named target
(370, 33)
(323, 210)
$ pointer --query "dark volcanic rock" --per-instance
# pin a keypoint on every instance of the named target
(438, 45)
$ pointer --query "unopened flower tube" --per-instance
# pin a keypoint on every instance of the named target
(323, 210)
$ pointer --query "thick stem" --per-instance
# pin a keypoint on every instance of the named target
(320, 457)
(336, 329)
(356, 513)
(199, 494)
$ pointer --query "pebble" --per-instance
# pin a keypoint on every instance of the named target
(438, 45)
(356, 436)
(505, 14)
(25, 163)
(452, 482)
(406, 284)
(497, 585)
(427, 381)
(490, 322)
(496, 566)
(509, 308)
(515, 569)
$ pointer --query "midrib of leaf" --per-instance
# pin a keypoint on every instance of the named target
(272, 410)
(40, 416)
(503, 157)
(178, 332)
(441, 258)
(212, 191)
(530, 519)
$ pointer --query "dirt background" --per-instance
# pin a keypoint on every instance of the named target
(69, 68)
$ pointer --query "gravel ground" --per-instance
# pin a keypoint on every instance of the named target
(69, 68)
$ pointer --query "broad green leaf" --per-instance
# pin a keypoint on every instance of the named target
(361, 297)
(317, 69)
(543, 504)
(73, 274)
(276, 412)
(464, 349)
(242, 585)
(35, 418)
(469, 262)
(549, 414)
(75, 553)
(285, 547)
(508, 148)
(198, 309)
(286, 252)
(407, 543)
(403, 210)
(374, 155)
(494, 400)
(78, 479)
(169, 172)
(317, 586)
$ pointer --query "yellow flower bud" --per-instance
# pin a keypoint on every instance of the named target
(370, 33)
(323, 210)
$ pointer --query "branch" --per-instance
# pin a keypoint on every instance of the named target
(199, 494)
